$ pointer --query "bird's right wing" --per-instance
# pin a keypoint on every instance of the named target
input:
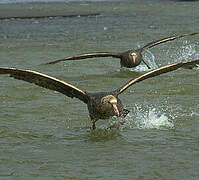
(156, 72)
(46, 81)
(88, 55)
(171, 38)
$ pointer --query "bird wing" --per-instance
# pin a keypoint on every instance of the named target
(46, 81)
(88, 55)
(154, 43)
(156, 72)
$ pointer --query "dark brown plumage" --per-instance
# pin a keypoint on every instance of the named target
(101, 105)
(130, 58)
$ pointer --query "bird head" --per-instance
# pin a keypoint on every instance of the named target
(110, 102)
(134, 57)
(137, 58)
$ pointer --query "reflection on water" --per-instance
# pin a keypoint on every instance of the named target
(102, 134)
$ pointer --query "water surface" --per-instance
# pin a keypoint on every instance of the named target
(45, 135)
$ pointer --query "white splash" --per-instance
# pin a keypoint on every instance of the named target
(140, 68)
(193, 113)
(187, 51)
(148, 119)
(150, 60)
(105, 28)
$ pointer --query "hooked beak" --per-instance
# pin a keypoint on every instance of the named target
(116, 110)
(134, 59)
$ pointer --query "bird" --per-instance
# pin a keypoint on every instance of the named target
(101, 105)
(130, 58)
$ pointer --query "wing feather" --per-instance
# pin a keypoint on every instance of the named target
(154, 43)
(157, 72)
(46, 81)
(84, 56)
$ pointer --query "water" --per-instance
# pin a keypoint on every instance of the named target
(47, 1)
(45, 135)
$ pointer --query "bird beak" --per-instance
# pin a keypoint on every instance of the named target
(134, 59)
(116, 110)
(134, 56)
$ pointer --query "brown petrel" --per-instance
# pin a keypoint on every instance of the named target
(101, 105)
(130, 58)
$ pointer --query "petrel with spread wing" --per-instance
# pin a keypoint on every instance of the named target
(101, 105)
(130, 58)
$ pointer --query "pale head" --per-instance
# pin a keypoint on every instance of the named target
(110, 102)
(109, 99)
(134, 55)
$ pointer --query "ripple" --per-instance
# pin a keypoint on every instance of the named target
(102, 134)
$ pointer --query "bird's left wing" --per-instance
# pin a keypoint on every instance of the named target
(87, 55)
(154, 43)
(156, 72)
(46, 81)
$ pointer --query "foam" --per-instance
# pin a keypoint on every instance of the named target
(150, 118)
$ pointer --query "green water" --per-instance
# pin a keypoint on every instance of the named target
(45, 135)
